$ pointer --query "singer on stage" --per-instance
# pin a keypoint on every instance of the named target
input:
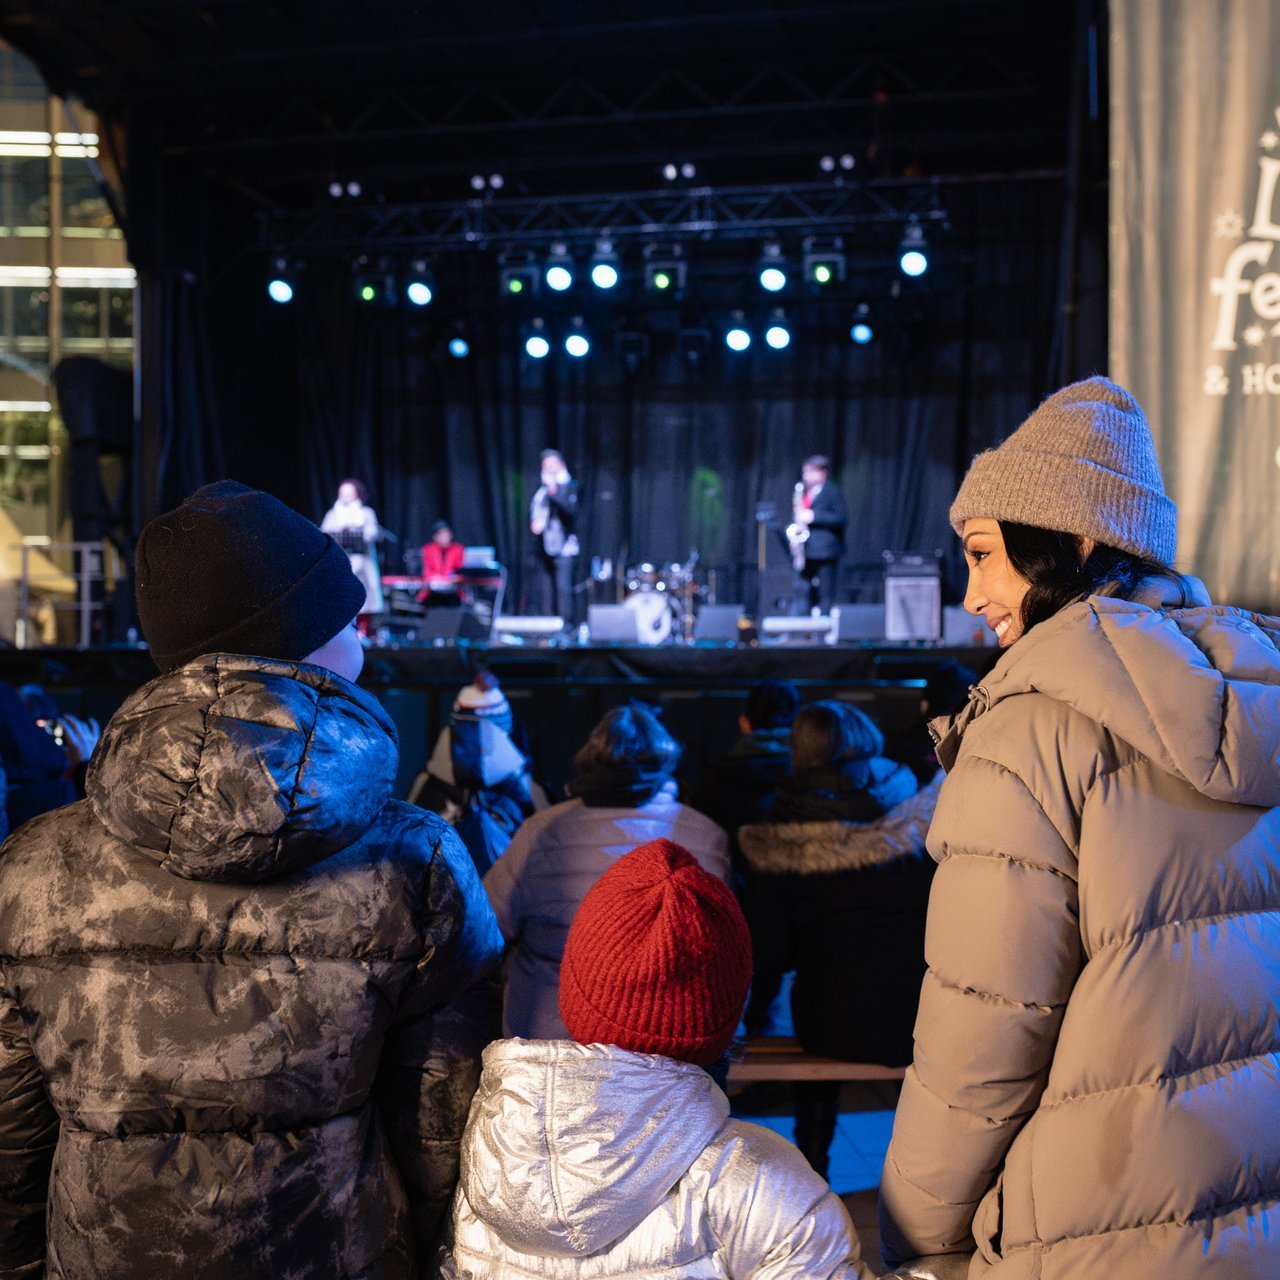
(354, 526)
(553, 513)
(819, 509)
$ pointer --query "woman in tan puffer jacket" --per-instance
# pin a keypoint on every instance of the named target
(1096, 1085)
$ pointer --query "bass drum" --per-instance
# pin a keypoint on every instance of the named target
(653, 615)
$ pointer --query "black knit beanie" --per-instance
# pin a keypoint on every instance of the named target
(233, 570)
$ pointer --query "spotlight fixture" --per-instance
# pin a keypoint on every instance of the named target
(558, 271)
(778, 335)
(459, 348)
(536, 344)
(737, 339)
(605, 266)
(665, 270)
(862, 332)
(280, 286)
(375, 288)
(419, 287)
(773, 269)
(518, 275)
(477, 182)
(354, 189)
(670, 171)
(632, 349)
(694, 345)
(336, 189)
(913, 251)
(577, 344)
(824, 261)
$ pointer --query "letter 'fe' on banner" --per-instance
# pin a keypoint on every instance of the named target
(1195, 271)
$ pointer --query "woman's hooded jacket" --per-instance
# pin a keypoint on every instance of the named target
(1096, 1086)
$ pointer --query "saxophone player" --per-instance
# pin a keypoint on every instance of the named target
(819, 510)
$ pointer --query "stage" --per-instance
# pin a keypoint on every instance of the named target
(559, 691)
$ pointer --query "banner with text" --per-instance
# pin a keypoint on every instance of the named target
(1195, 271)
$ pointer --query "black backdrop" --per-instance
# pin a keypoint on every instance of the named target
(671, 457)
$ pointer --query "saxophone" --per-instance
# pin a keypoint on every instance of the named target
(797, 533)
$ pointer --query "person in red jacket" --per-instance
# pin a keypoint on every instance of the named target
(441, 560)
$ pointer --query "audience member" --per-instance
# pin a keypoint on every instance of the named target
(945, 692)
(243, 993)
(43, 752)
(477, 779)
(840, 902)
(738, 789)
(623, 791)
(1095, 1087)
(612, 1152)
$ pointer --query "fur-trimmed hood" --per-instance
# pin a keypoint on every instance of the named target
(816, 848)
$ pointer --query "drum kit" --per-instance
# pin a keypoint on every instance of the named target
(663, 598)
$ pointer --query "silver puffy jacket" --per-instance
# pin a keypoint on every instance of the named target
(589, 1161)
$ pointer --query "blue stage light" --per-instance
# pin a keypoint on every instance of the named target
(419, 293)
(279, 290)
(459, 348)
(737, 339)
(778, 336)
(577, 345)
(537, 346)
(861, 333)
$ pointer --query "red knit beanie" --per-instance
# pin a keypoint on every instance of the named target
(658, 959)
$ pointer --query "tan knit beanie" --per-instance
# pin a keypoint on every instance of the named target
(1084, 462)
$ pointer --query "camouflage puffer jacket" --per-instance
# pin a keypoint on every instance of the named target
(242, 995)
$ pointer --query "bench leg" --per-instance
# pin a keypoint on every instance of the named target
(816, 1106)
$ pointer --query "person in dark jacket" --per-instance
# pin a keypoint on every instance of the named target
(840, 902)
(738, 789)
(822, 509)
(243, 993)
(945, 692)
(42, 770)
(477, 779)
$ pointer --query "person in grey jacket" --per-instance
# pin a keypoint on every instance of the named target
(1095, 1088)
(613, 1153)
(243, 993)
(624, 792)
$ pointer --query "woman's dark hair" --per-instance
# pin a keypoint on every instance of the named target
(772, 704)
(437, 525)
(1050, 562)
(826, 735)
(362, 490)
(628, 735)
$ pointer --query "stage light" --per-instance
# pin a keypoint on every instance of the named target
(577, 345)
(778, 336)
(418, 285)
(737, 339)
(827, 164)
(914, 259)
(670, 171)
(665, 270)
(280, 282)
(537, 346)
(496, 181)
(375, 288)
(773, 271)
(518, 275)
(335, 189)
(688, 171)
(824, 261)
(477, 182)
(604, 266)
(558, 272)
(354, 189)
(459, 348)
(847, 162)
(862, 333)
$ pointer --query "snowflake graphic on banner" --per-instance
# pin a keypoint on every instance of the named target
(1247, 292)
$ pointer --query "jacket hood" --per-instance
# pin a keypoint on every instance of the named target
(811, 848)
(243, 769)
(1196, 690)
(570, 1146)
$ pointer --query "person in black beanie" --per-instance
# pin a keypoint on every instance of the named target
(243, 993)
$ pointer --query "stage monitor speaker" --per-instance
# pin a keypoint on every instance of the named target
(859, 621)
(912, 608)
(612, 624)
(717, 622)
(451, 625)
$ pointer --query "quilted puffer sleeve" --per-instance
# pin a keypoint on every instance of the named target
(28, 1135)
(431, 1063)
(1003, 949)
(775, 1218)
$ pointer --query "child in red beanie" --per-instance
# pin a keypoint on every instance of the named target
(613, 1154)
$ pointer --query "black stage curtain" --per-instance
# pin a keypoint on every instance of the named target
(672, 457)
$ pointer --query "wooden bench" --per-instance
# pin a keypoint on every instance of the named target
(781, 1058)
